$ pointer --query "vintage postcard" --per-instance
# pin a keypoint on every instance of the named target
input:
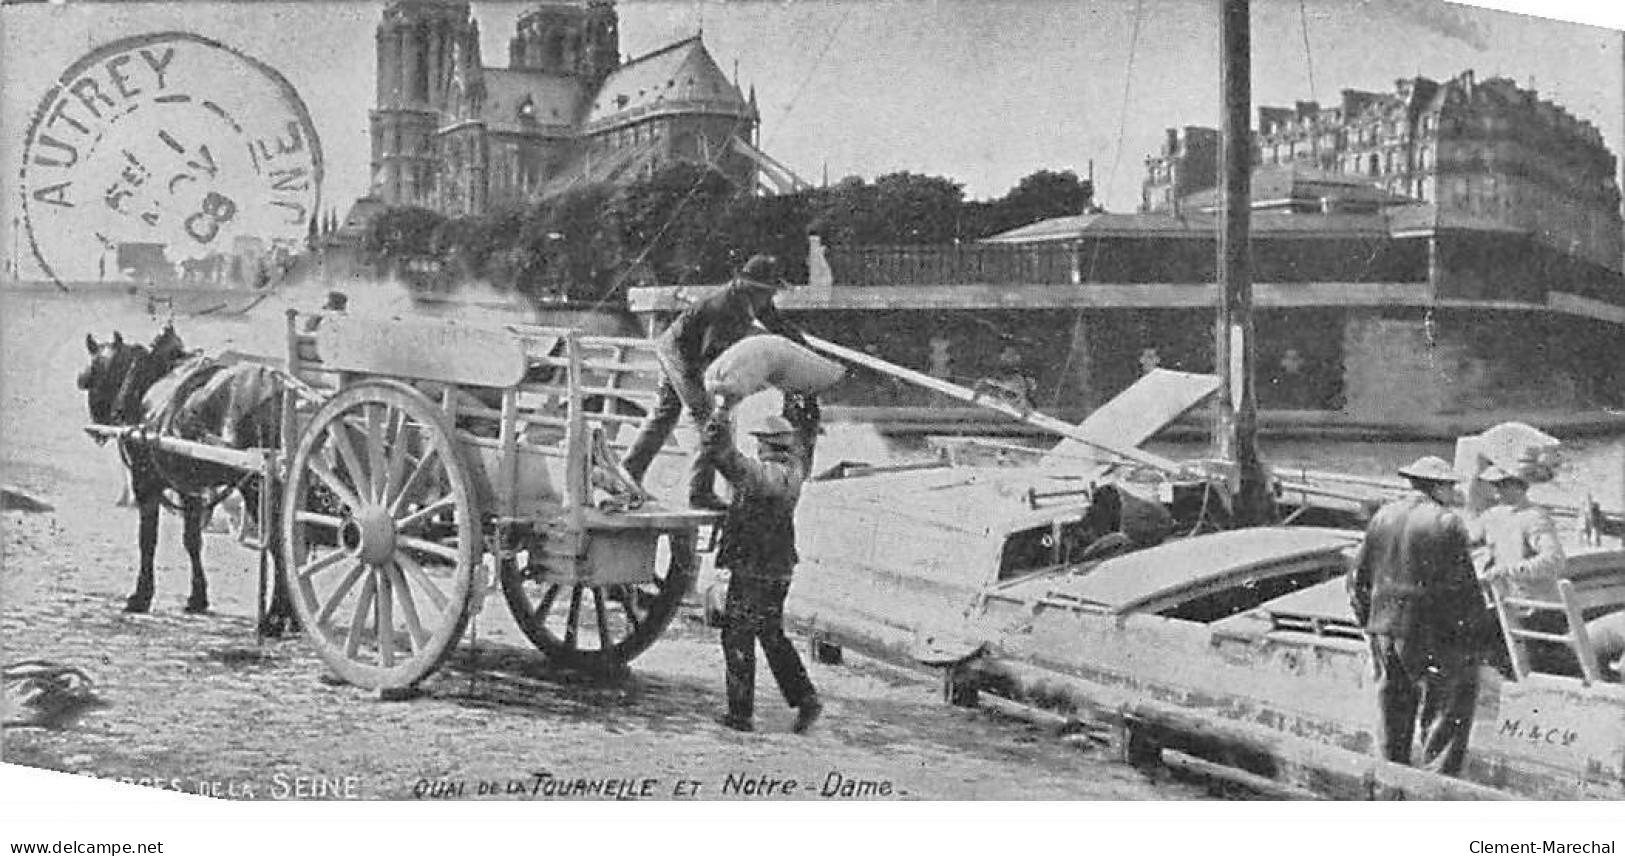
(631, 400)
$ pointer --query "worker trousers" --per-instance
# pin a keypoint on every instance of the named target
(680, 389)
(1439, 685)
(754, 611)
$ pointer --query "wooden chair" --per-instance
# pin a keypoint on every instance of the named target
(1514, 613)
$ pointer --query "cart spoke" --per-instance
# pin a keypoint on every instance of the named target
(376, 440)
(384, 621)
(327, 520)
(327, 561)
(363, 605)
(399, 500)
(331, 481)
(409, 609)
(539, 616)
(604, 644)
(575, 614)
(399, 454)
(421, 578)
(338, 434)
(449, 553)
(630, 597)
(426, 512)
(338, 593)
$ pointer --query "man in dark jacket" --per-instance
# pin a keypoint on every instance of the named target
(1414, 591)
(757, 546)
(699, 335)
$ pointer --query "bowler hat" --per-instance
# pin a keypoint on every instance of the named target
(1430, 468)
(763, 270)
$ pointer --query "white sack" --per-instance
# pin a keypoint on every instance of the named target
(758, 362)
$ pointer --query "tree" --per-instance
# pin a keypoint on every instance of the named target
(899, 208)
(1043, 195)
(669, 222)
(918, 209)
(404, 232)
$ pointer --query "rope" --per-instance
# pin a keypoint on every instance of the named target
(1308, 53)
(818, 62)
(1111, 180)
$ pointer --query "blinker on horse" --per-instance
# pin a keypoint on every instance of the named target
(166, 390)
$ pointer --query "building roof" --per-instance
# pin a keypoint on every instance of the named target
(1273, 184)
(1102, 225)
(1199, 224)
(587, 167)
(683, 71)
(506, 90)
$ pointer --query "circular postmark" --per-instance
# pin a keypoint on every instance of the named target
(164, 148)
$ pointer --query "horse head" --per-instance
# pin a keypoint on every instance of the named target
(167, 347)
(111, 364)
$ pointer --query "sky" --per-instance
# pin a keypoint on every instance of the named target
(980, 91)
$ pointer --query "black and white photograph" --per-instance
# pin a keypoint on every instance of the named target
(815, 401)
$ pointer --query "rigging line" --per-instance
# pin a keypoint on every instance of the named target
(620, 280)
(1128, 83)
(1111, 178)
(1308, 53)
(817, 63)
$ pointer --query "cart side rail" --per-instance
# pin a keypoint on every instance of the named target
(541, 410)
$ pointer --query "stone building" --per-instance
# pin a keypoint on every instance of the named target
(1483, 154)
(455, 135)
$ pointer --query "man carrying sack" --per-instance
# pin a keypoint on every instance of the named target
(697, 337)
(757, 546)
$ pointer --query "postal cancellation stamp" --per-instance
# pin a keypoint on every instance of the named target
(165, 139)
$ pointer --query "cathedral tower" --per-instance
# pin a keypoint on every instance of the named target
(417, 43)
(569, 39)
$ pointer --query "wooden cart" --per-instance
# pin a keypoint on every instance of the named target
(425, 462)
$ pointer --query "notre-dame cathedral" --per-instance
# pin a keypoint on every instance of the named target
(452, 134)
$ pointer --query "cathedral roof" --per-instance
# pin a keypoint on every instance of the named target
(553, 99)
(680, 72)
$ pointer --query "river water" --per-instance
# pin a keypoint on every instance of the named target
(42, 333)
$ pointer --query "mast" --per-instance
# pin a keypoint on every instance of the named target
(1233, 351)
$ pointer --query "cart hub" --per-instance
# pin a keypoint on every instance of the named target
(370, 534)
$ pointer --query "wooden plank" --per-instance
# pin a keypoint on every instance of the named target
(426, 350)
(508, 478)
(1136, 414)
(1579, 640)
(248, 460)
(1031, 417)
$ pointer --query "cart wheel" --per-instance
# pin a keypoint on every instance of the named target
(601, 628)
(380, 535)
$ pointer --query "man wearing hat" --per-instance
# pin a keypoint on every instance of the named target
(1525, 554)
(1414, 591)
(1521, 536)
(699, 335)
(757, 545)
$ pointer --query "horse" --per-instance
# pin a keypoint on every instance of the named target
(167, 390)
